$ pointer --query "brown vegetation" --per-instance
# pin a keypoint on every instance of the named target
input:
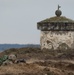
(38, 62)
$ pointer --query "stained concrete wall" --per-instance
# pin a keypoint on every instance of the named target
(57, 40)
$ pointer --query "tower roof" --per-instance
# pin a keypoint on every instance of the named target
(57, 18)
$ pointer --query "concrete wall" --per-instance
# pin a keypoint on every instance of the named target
(57, 40)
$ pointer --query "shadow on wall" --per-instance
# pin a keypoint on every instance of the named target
(50, 45)
(63, 46)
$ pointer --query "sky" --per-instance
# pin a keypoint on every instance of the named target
(18, 18)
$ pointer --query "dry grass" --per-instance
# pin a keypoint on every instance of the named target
(40, 62)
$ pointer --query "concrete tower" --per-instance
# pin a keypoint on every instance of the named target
(57, 32)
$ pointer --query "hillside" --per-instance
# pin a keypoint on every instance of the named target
(38, 62)
(8, 46)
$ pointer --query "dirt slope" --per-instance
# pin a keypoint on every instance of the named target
(40, 62)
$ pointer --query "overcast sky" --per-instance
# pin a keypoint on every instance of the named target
(18, 18)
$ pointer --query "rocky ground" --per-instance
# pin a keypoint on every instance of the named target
(38, 62)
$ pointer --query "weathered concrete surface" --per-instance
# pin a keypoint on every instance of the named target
(57, 40)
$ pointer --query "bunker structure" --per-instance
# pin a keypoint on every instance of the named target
(57, 32)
